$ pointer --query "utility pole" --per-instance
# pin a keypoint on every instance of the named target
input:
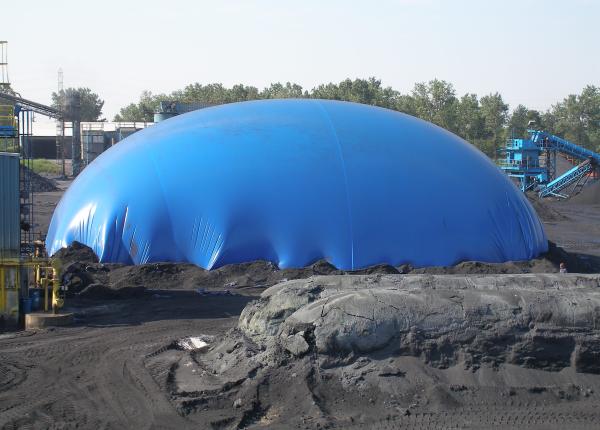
(60, 124)
(4, 80)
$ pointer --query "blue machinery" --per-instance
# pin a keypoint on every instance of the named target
(533, 163)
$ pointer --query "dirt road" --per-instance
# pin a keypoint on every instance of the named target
(93, 375)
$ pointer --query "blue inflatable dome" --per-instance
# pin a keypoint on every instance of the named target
(292, 182)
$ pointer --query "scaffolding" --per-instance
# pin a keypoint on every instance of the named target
(27, 266)
(26, 189)
(93, 141)
(97, 137)
(29, 274)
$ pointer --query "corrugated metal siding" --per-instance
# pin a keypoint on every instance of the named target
(9, 206)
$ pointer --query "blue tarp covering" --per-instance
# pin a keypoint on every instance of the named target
(294, 181)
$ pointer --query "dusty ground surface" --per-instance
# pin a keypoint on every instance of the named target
(469, 354)
(580, 231)
(122, 364)
(95, 374)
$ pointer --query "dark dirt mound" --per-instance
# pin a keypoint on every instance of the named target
(81, 269)
(39, 184)
(590, 195)
(77, 276)
(76, 252)
(544, 210)
(154, 275)
(257, 274)
(538, 265)
(546, 263)
(379, 269)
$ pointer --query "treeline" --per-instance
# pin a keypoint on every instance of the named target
(484, 121)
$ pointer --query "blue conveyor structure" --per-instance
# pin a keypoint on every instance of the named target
(547, 140)
(576, 176)
(533, 162)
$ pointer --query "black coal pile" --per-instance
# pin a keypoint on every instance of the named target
(39, 184)
(590, 195)
(76, 252)
(546, 263)
(544, 210)
(85, 276)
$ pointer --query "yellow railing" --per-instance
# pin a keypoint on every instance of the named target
(45, 275)
(7, 116)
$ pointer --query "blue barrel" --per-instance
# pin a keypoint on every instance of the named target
(36, 299)
(25, 306)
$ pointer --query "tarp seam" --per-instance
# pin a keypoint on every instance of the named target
(343, 163)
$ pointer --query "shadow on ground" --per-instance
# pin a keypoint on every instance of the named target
(156, 305)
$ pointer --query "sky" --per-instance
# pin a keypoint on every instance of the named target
(533, 52)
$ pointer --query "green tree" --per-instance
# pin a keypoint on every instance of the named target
(436, 102)
(215, 93)
(8, 89)
(405, 103)
(469, 119)
(91, 104)
(495, 114)
(143, 110)
(367, 91)
(280, 91)
(577, 117)
(517, 124)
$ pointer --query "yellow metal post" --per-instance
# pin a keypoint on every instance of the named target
(57, 301)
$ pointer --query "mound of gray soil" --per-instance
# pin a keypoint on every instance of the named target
(391, 351)
(590, 195)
